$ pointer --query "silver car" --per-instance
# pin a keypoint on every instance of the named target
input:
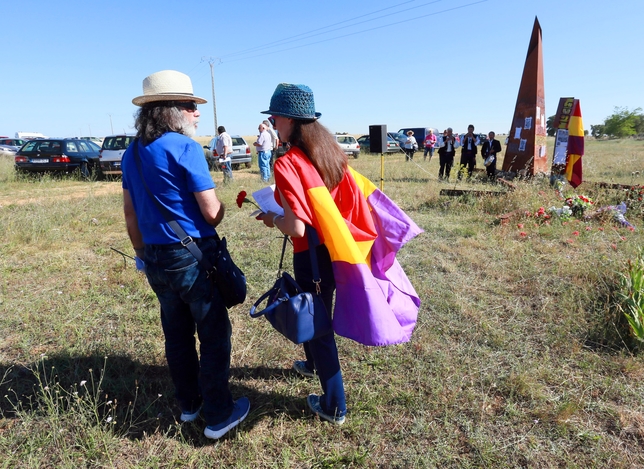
(10, 146)
(349, 144)
(241, 153)
(112, 152)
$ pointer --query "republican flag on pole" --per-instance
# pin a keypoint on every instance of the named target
(375, 303)
(575, 147)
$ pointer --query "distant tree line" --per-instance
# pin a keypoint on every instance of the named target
(622, 123)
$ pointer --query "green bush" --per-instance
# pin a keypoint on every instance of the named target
(632, 296)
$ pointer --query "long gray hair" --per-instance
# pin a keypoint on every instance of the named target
(154, 119)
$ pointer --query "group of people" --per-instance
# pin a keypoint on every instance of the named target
(266, 144)
(447, 145)
(164, 171)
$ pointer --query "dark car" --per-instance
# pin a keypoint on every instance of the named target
(61, 155)
(392, 144)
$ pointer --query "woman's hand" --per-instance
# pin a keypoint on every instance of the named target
(268, 218)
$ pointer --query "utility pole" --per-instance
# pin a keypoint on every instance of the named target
(211, 61)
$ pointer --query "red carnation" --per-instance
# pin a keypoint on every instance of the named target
(241, 197)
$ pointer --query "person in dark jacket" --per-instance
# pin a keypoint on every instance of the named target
(468, 152)
(446, 153)
(491, 148)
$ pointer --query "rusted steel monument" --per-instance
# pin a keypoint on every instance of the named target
(526, 149)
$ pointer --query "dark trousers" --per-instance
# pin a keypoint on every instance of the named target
(190, 302)
(468, 160)
(491, 170)
(409, 153)
(446, 162)
(322, 353)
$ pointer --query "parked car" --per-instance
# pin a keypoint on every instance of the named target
(419, 134)
(10, 146)
(97, 140)
(58, 155)
(392, 144)
(111, 153)
(349, 144)
(240, 155)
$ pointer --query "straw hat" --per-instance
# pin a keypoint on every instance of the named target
(167, 85)
(294, 101)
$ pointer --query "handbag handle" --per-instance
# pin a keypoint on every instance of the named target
(269, 308)
(285, 278)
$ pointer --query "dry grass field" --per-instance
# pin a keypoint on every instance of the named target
(520, 358)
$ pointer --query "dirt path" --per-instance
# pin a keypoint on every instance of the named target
(76, 190)
(66, 192)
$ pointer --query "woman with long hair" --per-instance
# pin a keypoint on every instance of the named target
(293, 114)
(359, 231)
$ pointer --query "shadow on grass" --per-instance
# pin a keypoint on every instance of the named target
(137, 395)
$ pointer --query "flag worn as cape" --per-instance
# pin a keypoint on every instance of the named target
(363, 229)
(575, 147)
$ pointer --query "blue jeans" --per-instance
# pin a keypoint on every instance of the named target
(322, 353)
(264, 163)
(189, 302)
(227, 169)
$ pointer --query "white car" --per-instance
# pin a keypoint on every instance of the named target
(349, 144)
(109, 159)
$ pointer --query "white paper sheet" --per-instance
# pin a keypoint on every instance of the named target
(528, 123)
(522, 144)
(265, 198)
(517, 132)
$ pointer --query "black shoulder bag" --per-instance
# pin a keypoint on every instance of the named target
(298, 315)
(223, 273)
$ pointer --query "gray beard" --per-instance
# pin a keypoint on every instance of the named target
(189, 130)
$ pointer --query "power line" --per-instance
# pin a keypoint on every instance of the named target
(308, 33)
(361, 31)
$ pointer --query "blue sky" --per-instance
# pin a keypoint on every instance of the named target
(73, 67)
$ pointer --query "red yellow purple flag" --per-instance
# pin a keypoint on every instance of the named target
(575, 147)
(375, 303)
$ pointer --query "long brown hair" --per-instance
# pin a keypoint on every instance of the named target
(320, 147)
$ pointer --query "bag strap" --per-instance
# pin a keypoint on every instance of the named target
(314, 241)
(185, 240)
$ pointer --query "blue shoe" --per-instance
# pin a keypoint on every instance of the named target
(300, 367)
(190, 416)
(240, 411)
(314, 404)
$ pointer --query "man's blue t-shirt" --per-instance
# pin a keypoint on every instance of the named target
(174, 168)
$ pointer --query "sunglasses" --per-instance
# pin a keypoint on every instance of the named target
(187, 105)
(272, 121)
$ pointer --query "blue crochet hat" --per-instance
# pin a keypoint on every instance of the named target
(294, 101)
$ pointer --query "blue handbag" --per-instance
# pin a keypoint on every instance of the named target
(298, 315)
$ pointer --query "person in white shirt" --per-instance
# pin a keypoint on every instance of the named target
(264, 146)
(274, 137)
(224, 149)
(410, 146)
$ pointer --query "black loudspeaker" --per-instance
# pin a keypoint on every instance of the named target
(378, 138)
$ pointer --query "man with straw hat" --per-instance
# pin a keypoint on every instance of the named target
(164, 163)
